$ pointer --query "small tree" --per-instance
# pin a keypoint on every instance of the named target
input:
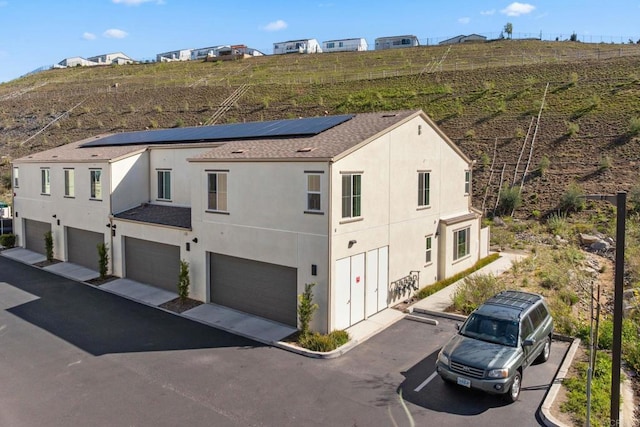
(508, 29)
(48, 245)
(574, 37)
(183, 280)
(103, 260)
(509, 200)
(306, 308)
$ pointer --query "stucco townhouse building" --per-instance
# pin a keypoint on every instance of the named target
(360, 204)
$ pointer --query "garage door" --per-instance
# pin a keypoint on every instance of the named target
(34, 235)
(259, 288)
(82, 247)
(152, 263)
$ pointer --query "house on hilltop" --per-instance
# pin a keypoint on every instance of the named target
(174, 55)
(76, 61)
(345, 45)
(464, 39)
(297, 46)
(369, 207)
(118, 58)
(396, 42)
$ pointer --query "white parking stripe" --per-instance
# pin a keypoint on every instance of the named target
(425, 382)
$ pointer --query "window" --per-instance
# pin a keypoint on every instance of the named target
(96, 184)
(460, 243)
(427, 256)
(331, 45)
(423, 188)
(217, 183)
(313, 192)
(45, 180)
(467, 182)
(69, 183)
(15, 177)
(351, 195)
(164, 185)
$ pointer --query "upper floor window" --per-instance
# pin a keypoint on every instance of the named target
(217, 191)
(351, 195)
(45, 181)
(423, 188)
(96, 184)
(427, 253)
(313, 192)
(15, 177)
(467, 182)
(461, 243)
(164, 185)
(69, 183)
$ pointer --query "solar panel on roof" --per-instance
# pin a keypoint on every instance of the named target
(253, 130)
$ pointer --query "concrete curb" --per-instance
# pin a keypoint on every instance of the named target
(545, 409)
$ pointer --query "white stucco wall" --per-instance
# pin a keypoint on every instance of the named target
(266, 221)
(79, 211)
(130, 182)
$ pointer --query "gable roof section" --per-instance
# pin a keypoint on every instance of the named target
(324, 146)
(234, 131)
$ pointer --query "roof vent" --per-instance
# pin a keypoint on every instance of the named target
(240, 151)
(304, 150)
(389, 115)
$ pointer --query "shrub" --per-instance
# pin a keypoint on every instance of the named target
(8, 240)
(572, 128)
(103, 259)
(605, 163)
(558, 224)
(573, 199)
(475, 290)
(634, 126)
(183, 280)
(509, 200)
(321, 342)
(48, 245)
(544, 165)
(306, 308)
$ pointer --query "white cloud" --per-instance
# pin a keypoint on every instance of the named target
(487, 12)
(275, 25)
(88, 36)
(114, 33)
(135, 2)
(464, 20)
(517, 9)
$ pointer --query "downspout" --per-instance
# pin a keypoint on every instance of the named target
(329, 251)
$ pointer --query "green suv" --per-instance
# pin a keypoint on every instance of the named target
(497, 342)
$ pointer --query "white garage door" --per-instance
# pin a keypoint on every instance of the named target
(259, 288)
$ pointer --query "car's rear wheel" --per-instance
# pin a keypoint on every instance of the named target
(514, 391)
(546, 351)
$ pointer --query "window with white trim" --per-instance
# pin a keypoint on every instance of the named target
(164, 184)
(423, 188)
(427, 253)
(313, 193)
(467, 182)
(461, 243)
(45, 181)
(15, 177)
(351, 195)
(96, 184)
(69, 183)
(217, 191)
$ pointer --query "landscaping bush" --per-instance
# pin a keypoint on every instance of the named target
(183, 280)
(475, 290)
(306, 308)
(573, 199)
(8, 240)
(320, 342)
(103, 260)
(509, 200)
(48, 245)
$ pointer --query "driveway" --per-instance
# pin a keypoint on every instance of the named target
(74, 355)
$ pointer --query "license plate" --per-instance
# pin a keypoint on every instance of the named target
(464, 382)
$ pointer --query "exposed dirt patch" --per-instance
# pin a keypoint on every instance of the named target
(179, 305)
(47, 263)
(101, 281)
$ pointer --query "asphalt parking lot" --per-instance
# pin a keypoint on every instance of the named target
(73, 355)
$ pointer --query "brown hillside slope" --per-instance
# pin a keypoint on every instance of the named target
(484, 97)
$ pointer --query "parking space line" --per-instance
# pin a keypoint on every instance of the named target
(425, 382)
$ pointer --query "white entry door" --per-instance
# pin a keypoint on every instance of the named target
(358, 280)
(376, 286)
(342, 294)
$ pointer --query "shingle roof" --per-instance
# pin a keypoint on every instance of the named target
(174, 216)
(325, 145)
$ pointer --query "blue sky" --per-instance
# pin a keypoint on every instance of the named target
(35, 33)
